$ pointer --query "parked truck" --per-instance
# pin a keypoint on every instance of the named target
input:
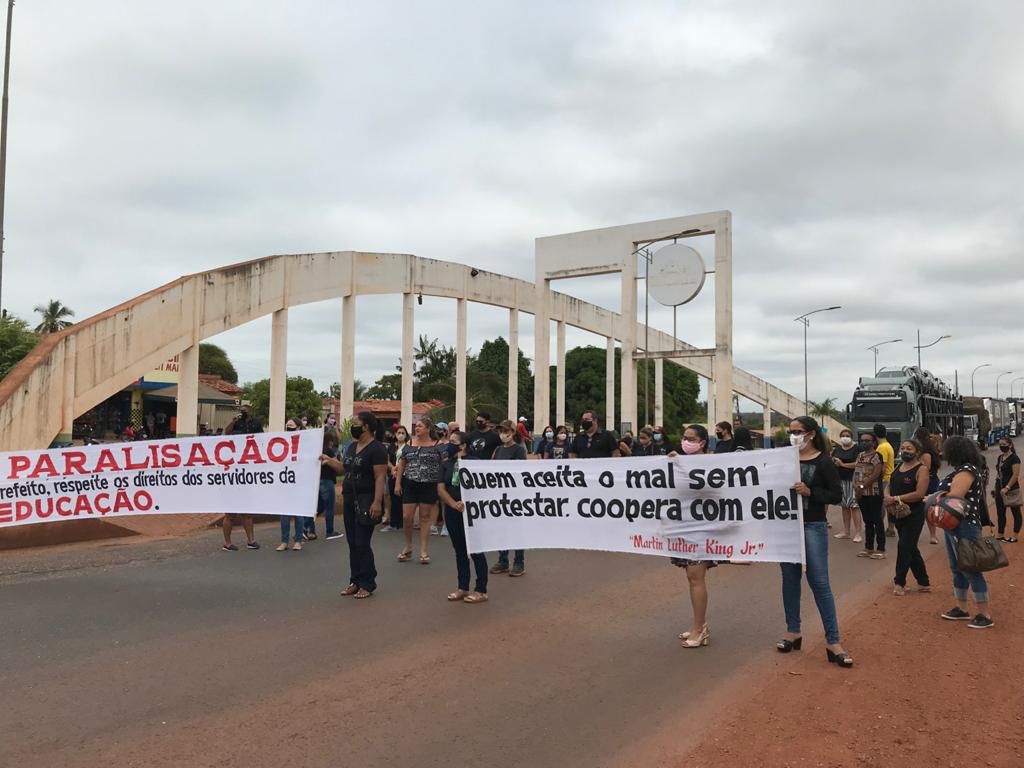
(904, 399)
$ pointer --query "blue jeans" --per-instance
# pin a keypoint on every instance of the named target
(520, 557)
(325, 506)
(816, 546)
(456, 524)
(961, 579)
(286, 524)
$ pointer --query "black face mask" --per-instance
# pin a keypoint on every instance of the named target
(481, 424)
(907, 456)
(1004, 448)
(453, 450)
(291, 429)
(586, 424)
(719, 435)
(864, 446)
(357, 431)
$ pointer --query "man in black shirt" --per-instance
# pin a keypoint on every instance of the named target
(723, 434)
(593, 442)
(484, 439)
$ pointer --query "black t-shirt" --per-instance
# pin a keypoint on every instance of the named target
(326, 473)
(597, 446)
(725, 446)
(821, 476)
(847, 456)
(359, 466)
(558, 450)
(482, 444)
(1006, 468)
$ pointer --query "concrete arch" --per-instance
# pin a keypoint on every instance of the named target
(72, 371)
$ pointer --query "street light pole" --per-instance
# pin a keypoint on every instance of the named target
(807, 324)
(1014, 381)
(3, 139)
(874, 348)
(1004, 373)
(920, 347)
(983, 365)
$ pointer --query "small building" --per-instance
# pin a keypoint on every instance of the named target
(389, 412)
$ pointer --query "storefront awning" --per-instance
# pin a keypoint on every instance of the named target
(207, 396)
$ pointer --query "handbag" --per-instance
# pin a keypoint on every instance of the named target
(363, 503)
(900, 510)
(1011, 497)
(980, 555)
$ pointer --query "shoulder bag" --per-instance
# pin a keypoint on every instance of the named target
(1011, 497)
(980, 555)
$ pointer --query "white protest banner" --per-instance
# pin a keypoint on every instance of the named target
(732, 506)
(265, 474)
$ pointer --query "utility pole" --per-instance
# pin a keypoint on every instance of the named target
(3, 140)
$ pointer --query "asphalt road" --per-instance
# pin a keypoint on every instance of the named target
(173, 653)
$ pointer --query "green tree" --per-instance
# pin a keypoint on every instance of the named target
(16, 341)
(359, 390)
(54, 316)
(300, 399)
(215, 361)
(585, 388)
(387, 387)
(826, 408)
(434, 361)
(487, 374)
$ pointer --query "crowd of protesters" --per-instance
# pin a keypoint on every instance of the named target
(409, 480)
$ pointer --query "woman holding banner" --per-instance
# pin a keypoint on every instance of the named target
(292, 425)
(695, 441)
(450, 492)
(819, 486)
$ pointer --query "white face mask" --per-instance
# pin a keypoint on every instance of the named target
(846, 442)
(797, 441)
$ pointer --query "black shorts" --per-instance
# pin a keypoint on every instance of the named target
(419, 493)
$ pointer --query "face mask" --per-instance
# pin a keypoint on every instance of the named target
(657, 437)
(1004, 448)
(846, 442)
(719, 435)
(356, 431)
(690, 446)
(506, 437)
(866, 446)
(562, 437)
(453, 450)
(332, 422)
(290, 429)
(549, 435)
(907, 456)
(586, 424)
(480, 423)
(797, 441)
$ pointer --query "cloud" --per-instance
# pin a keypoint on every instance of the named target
(870, 154)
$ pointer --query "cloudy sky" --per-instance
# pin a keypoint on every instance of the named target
(871, 154)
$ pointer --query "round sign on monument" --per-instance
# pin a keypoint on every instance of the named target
(675, 275)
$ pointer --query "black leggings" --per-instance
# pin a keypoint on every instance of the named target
(874, 526)
(1001, 515)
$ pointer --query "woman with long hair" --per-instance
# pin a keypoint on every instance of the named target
(1007, 484)
(393, 514)
(419, 471)
(742, 440)
(932, 459)
(695, 442)
(904, 499)
(547, 437)
(965, 482)
(511, 449)
(365, 463)
(560, 445)
(450, 492)
(818, 486)
(844, 456)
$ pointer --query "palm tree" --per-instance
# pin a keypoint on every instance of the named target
(826, 409)
(53, 315)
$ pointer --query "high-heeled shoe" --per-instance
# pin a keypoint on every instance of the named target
(842, 659)
(785, 646)
(703, 638)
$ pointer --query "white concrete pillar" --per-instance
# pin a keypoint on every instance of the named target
(628, 346)
(723, 321)
(767, 425)
(659, 392)
(460, 362)
(711, 398)
(408, 328)
(278, 369)
(609, 384)
(541, 354)
(67, 403)
(560, 375)
(513, 368)
(187, 419)
(348, 357)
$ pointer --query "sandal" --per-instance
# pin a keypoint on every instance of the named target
(899, 591)
(350, 590)
(457, 595)
(362, 594)
(475, 597)
(787, 646)
(1010, 539)
(424, 559)
(405, 557)
(925, 588)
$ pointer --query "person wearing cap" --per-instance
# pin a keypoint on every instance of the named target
(523, 430)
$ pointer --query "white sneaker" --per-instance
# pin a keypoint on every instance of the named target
(444, 531)
(841, 535)
(858, 539)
